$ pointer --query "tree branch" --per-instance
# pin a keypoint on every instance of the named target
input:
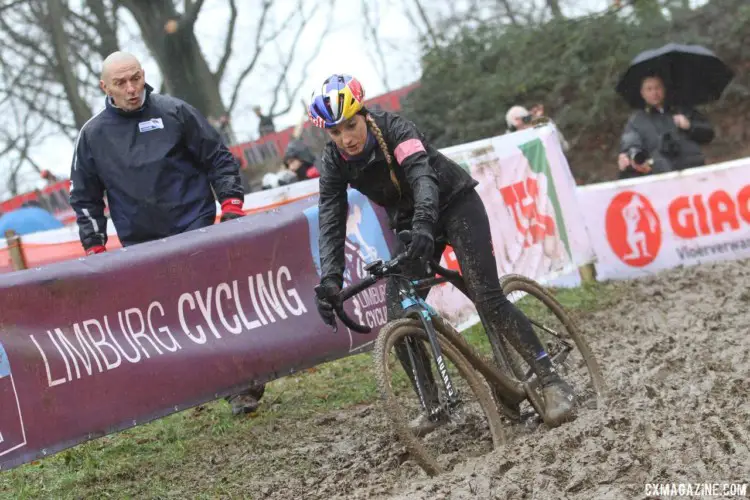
(373, 32)
(426, 21)
(66, 128)
(26, 42)
(219, 74)
(11, 5)
(192, 9)
(291, 94)
(290, 58)
(80, 108)
(259, 46)
(509, 12)
(107, 31)
(413, 21)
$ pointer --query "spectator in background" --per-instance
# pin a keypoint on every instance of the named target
(49, 177)
(661, 138)
(266, 125)
(160, 162)
(519, 118)
(299, 159)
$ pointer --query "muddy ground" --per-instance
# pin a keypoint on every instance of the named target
(675, 350)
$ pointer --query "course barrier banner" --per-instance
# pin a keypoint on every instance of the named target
(57, 245)
(91, 346)
(97, 344)
(640, 226)
(530, 196)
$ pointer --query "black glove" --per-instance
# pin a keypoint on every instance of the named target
(422, 244)
(326, 298)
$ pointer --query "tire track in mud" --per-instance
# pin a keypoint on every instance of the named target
(675, 351)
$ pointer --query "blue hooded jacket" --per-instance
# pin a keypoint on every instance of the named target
(157, 165)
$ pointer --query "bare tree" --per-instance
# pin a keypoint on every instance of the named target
(371, 15)
(19, 132)
(426, 21)
(52, 53)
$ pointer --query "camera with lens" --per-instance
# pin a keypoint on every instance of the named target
(669, 146)
(527, 119)
(637, 156)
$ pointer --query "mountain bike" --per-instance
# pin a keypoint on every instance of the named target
(471, 393)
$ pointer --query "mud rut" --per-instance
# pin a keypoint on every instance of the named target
(675, 351)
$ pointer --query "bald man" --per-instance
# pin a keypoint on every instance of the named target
(158, 159)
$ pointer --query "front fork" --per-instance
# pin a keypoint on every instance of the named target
(422, 310)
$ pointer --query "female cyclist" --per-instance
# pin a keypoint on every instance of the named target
(386, 158)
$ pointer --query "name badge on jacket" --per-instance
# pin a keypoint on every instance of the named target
(152, 124)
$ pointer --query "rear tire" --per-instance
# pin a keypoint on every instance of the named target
(389, 336)
(515, 282)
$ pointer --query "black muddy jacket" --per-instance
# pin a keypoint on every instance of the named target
(428, 183)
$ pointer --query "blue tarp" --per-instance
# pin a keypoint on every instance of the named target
(28, 220)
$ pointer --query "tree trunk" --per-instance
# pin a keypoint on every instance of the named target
(178, 54)
(60, 43)
(105, 28)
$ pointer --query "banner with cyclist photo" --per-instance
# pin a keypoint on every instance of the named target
(530, 196)
(640, 226)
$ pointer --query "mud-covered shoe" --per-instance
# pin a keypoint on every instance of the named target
(510, 410)
(243, 403)
(422, 425)
(558, 402)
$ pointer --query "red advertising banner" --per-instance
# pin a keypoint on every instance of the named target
(99, 344)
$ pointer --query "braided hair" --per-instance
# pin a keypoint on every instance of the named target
(383, 147)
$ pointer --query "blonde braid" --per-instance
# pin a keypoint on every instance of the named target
(384, 147)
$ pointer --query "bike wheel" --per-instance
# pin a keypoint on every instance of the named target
(471, 429)
(555, 329)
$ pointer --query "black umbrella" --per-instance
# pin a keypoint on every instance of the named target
(692, 75)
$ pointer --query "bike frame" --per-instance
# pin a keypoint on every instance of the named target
(414, 305)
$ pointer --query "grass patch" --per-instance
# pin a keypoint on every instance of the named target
(150, 460)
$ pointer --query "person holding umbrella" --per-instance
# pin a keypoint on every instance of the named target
(665, 132)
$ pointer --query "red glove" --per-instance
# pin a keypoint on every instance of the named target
(96, 249)
(231, 209)
(312, 173)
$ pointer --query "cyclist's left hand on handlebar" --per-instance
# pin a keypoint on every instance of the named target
(422, 244)
(326, 299)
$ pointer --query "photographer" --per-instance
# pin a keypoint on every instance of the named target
(660, 138)
(519, 118)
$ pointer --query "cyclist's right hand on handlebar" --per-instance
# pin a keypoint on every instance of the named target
(326, 298)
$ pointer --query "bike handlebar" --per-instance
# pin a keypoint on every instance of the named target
(378, 271)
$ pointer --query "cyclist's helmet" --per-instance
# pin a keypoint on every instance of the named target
(340, 98)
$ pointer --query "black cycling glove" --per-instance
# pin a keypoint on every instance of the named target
(422, 244)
